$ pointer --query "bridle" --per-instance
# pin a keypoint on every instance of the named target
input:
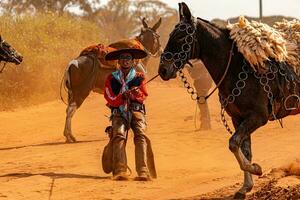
(181, 58)
(7, 55)
(156, 40)
(5, 62)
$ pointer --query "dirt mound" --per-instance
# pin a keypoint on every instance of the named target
(284, 183)
(278, 184)
(276, 192)
(292, 168)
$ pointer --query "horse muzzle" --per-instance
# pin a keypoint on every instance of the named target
(166, 72)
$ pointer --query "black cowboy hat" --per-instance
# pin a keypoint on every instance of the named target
(136, 54)
(132, 46)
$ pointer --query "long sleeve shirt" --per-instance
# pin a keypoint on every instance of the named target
(113, 90)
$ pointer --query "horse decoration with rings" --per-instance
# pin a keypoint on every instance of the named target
(250, 98)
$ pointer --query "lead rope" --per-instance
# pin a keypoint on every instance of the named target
(2, 67)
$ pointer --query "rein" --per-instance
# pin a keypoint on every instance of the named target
(150, 80)
(3, 67)
(191, 90)
(156, 36)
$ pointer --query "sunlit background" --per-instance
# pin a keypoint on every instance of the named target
(50, 33)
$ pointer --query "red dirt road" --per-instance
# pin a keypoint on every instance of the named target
(35, 163)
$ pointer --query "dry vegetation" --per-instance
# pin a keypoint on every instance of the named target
(47, 42)
(50, 36)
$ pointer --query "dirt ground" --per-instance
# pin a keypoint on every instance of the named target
(35, 163)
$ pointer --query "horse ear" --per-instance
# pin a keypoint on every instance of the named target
(158, 23)
(185, 12)
(180, 12)
(144, 23)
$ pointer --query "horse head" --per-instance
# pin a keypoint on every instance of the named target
(8, 53)
(150, 38)
(181, 45)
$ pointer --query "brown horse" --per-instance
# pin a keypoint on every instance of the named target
(8, 54)
(85, 74)
(251, 99)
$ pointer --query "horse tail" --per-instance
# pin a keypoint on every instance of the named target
(66, 81)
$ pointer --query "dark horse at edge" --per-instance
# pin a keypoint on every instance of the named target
(85, 74)
(252, 103)
(8, 54)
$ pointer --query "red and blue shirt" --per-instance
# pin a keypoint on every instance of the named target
(116, 85)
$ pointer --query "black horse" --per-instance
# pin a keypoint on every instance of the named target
(8, 54)
(250, 99)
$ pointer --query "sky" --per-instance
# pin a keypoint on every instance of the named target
(224, 9)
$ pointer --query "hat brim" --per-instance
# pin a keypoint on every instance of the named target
(136, 54)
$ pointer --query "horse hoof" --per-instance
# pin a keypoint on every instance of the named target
(70, 139)
(257, 169)
(73, 139)
(239, 195)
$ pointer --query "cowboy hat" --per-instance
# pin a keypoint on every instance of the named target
(131, 46)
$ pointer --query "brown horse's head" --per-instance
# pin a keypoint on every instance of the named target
(150, 38)
(8, 53)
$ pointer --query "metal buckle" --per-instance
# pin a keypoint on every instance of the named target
(115, 111)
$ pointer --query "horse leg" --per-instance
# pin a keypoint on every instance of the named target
(76, 98)
(248, 181)
(70, 111)
(243, 132)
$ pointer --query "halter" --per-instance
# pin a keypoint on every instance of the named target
(1, 47)
(8, 54)
(185, 54)
(180, 58)
(156, 39)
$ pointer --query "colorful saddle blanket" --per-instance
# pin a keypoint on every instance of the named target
(101, 50)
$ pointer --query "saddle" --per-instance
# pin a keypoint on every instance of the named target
(100, 50)
(260, 43)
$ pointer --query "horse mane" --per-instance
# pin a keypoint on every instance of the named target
(212, 28)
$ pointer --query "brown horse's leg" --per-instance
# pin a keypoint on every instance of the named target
(243, 132)
(75, 102)
(79, 77)
(70, 111)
